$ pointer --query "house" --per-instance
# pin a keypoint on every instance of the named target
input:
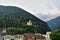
(48, 36)
(13, 37)
(18, 37)
(29, 36)
(7, 37)
(34, 37)
(39, 37)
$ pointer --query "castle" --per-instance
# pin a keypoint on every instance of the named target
(29, 23)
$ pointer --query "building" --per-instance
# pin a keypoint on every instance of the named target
(34, 37)
(7, 37)
(39, 37)
(29, 23)
(29, 36)
(48, 36)
(13, 37)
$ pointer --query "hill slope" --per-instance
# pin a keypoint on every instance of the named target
(54, 23)
(11, 16)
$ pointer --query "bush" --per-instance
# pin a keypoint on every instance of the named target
(55, 35)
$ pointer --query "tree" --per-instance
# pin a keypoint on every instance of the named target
(55, 35)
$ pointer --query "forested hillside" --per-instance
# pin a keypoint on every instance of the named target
(54, 23)
(14, 17)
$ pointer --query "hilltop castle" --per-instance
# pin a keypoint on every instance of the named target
(29, 23)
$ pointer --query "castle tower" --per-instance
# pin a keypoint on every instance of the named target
(29, 23)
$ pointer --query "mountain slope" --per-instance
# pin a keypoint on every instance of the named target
(11, 16)
(54, 23)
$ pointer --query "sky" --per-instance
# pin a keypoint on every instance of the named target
(43, 9)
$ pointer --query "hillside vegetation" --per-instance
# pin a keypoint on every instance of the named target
(16, 19)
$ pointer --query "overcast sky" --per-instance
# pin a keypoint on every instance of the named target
(44, 9)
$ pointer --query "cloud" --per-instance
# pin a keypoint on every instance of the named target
(55, 12)
(45, 9)
(46, 17)
(39, 5)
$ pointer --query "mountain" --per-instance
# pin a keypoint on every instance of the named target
(54, 23)
(12, 16)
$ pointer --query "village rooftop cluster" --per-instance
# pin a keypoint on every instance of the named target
(27, 36)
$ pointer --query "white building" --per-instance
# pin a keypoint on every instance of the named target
(29, 23)
(9, 37)
(20, 37)
(4, 31)
(48, 36)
